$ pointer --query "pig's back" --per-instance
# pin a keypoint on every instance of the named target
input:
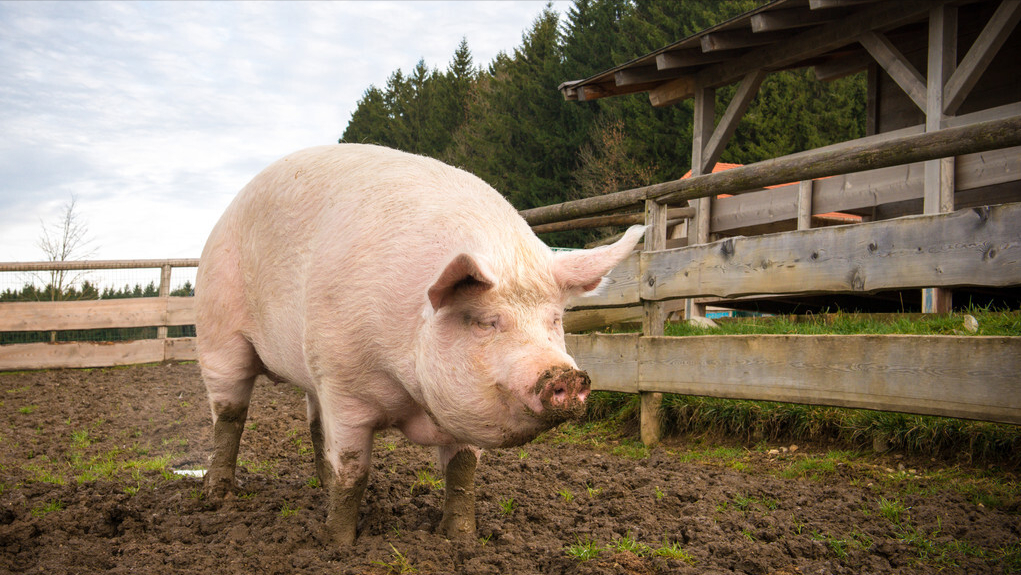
(336, 247)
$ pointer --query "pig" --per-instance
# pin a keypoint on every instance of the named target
(397, 292)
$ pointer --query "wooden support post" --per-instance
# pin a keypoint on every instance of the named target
(653, 319)
(702, 162)
(161, 331)
(805, 204)
(939, 174)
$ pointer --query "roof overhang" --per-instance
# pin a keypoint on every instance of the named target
(780, 35)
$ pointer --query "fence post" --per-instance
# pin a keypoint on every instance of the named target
(161, 331)
(653, 318)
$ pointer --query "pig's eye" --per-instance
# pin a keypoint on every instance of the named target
(486, 325)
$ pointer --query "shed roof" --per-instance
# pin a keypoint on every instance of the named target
(780, 35)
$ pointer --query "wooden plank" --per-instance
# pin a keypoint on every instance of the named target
(805, 205)
(610, 360)
(181, 310)
(860, 191)
(774, 20)
(588, 319)
(980, 55)
(620, 289)
(897, 66)
(837, 68)
(180, 349)
(967, 377)
(973, 247)
(855, 157)
(738, 39)
(96, 314)
(687, 58)
(80, 354)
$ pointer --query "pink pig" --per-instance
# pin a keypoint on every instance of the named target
(396, 291)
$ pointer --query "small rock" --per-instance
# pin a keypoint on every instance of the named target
(702, 322)
(783, 450)
(774, 452)
(900, 467)
(970, 324)
(794, 448)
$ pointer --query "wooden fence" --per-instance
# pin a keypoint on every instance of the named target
(967, 376)
(160, 312)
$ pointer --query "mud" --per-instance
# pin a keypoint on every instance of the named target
(85, 459)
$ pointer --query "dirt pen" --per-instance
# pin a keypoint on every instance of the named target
(88, 459)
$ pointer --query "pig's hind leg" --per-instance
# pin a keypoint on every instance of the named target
(229, 375)
(315, 427)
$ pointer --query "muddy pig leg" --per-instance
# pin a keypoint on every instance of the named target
(458, 463)
(315, 426)
(347, 452)
(230, 410)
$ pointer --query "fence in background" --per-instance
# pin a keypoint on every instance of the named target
(149, 321)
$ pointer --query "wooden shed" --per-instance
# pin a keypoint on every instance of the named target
(931, 65)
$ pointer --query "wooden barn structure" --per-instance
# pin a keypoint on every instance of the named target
(931, 65)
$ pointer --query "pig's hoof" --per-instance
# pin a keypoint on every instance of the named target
(457, 527)
(218, 487)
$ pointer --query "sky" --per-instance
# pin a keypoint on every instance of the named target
(154, 114)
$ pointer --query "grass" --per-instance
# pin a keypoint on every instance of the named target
(586, 549)
(507, 506)
(425, 478)
(398, 563)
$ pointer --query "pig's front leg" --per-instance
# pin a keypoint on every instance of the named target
(348, 451)
(458, 463)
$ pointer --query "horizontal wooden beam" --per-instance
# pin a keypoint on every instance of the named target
(96, 314)
(970, 377)
(94, 354)
(971, 247)
(96, 265)
(738, 39)
(774, 20)
(690, 57)
(609, 220)
(860, 191)
(620, 288)
(848, 158)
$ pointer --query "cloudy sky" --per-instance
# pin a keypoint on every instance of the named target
(154, 114)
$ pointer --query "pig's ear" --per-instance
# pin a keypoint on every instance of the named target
(465, 274)
(583, 270)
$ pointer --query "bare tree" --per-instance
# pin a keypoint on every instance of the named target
(65, 239)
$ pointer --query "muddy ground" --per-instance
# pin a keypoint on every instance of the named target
(86, 460)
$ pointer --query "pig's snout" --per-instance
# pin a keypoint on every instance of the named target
(562, 392)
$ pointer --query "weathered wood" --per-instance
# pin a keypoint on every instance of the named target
(789, 19)
(805, 205)
(967, 377)
(96, 314)
(897, 66)
(939, 174)
(980, 246)
(588, 319)
(620, 288)
(856, 157)
(860, 191)
(94, 354)
(817, 40)
(738, 39)
(980, 55)
(611, 360)
(731, 117)
(687, 58)
(96, 265)
(838, 68)
(610, 220)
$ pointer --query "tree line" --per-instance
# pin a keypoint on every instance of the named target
(508, 124)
